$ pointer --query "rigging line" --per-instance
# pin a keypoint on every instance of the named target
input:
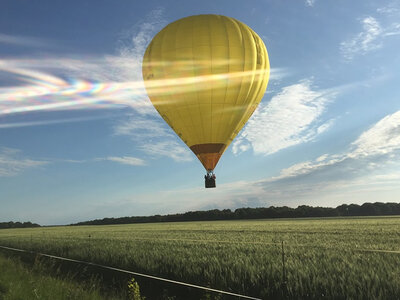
(132, 273)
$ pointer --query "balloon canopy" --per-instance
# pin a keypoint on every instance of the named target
(205, 75)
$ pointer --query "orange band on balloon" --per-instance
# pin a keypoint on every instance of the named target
(208, 154)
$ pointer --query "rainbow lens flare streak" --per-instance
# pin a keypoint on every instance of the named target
(49, 92)
(46, 91)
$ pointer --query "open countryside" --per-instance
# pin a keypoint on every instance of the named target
(355, 258)
(208, 150)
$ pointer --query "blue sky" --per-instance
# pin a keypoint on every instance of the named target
(79, 138)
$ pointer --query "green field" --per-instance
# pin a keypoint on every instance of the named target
(331, 258)
(19, 282)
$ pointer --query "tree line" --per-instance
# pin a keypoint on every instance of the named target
(5, 225)
(272, 212)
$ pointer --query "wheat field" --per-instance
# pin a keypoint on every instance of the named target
(352, 258)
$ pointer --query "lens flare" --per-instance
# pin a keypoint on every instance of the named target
(44, 91)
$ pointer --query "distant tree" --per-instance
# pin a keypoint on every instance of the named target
(302, 211)
(5, 225)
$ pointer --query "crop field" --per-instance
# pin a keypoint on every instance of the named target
(353, 258)
(19, 282)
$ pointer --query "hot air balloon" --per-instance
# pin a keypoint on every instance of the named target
(205, 75)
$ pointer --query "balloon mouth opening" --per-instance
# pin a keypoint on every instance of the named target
(209, 154)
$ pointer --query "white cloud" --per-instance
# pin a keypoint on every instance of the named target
(73, 161)
(153, 137)
(140, 128)
(168, 148)
(376, 147)
(50, 121)
(12, 163)
(22, 41)
(310, 2)
(374, 32)
(325, 126)
(290, 118)
(394, 29)
(391, 177)
(278, 73)
(382, 138)
(365, 41)
(127, 160)
(391, 9)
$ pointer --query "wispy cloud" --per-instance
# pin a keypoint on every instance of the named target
(381, 139)
(374, 33)
(22, 41)
(310, 2)
(376, 148)
(13, 163)
(52, 83)
(391, 9)
(290, 118)
(127, 160)
(365, 41)
(153, 137)
(277, 74)
(394, 29)
(50, 121)
(171, 148)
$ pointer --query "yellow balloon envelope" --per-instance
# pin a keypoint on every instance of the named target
(205, 75)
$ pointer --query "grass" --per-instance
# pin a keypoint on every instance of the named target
(17, 281)
(330, 258)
